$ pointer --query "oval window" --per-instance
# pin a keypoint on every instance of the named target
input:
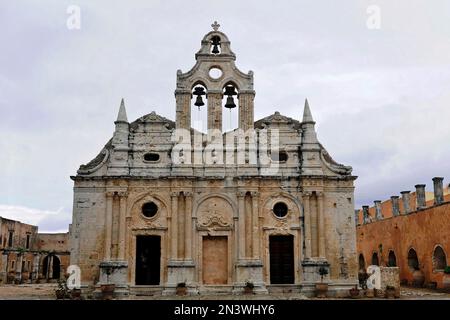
(215, 73)
(153, 157)
(149, 209)
(280, 209)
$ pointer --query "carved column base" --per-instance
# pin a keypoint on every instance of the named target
(311, 273)
(114, 272)
(249, 271)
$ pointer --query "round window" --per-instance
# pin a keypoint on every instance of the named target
(215, 73)
(149, 209)
(280, 209)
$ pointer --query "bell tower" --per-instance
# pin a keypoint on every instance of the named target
(216, 78)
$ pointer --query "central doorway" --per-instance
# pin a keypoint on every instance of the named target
(281, 251)
(215, 260)
(148, 260)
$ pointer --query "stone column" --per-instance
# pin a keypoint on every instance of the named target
(19, 267)
(246, 114)
(307, 215)
(321, 237)
(36, 261)
(188, 226)
(215, 109)
(50, 267)
(366, 217)
(395, 206)
(183, 109)
(241, 208)
(4, 271)
(108, 225)
(122, 224)
(420, 196)
(174, 226)
(378, 213)
(405, 200)
(255, 220)
(438, 190)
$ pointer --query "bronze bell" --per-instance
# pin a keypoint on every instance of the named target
(199, 101)
(230, 103)
(230, 91)
(216, 43)
(199, 92)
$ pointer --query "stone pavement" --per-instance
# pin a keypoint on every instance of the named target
(47, 292)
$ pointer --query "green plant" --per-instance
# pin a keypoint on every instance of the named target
(249, 285)
(447, 270)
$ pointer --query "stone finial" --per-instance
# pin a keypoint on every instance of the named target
(122, 116)
(366, 216)
(307, 116)
(215, 26)
(438, 190)
(420, 196)
(406, 195)
(395, 206)
(378, 213)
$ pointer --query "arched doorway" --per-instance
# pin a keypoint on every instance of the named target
(51, 267)
(413, 261)
(439, 259)
(375, 260)
(392, 259)
(361, 263)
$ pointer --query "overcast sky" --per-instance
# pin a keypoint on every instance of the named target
(380, 97)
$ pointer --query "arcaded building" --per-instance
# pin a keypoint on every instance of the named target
(164, 204)
(28, 256)
(411, 232)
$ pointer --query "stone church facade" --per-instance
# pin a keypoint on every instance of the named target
(164, 204)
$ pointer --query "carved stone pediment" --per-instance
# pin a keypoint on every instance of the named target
(214, 213)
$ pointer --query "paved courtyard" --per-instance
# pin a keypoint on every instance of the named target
(46, 292)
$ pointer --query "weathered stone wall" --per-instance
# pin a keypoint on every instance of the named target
(421, 230)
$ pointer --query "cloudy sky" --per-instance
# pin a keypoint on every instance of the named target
(380, 96)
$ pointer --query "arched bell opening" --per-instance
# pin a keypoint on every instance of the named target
(199, 113)
(215, 45)
(230, 104)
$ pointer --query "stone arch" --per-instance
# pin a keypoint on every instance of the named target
(51, 267)
(202, 199)
(439, 259)
(392, 259)
(143, 197)
(413, 260)
(270, 201)
(375, 260)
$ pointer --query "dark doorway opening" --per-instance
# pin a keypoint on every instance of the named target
(148, 260)
(56, 268)
(281, 251)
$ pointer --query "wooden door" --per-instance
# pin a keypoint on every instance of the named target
(215, 260)
(281, 251)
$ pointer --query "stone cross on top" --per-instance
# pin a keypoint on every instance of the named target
(215, 26)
